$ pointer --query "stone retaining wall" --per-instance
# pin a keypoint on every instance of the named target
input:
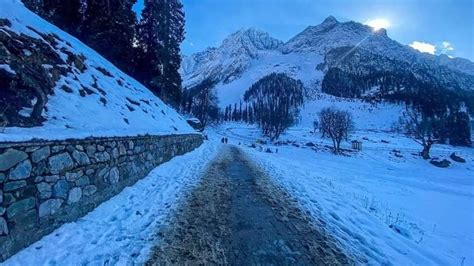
(46, 184)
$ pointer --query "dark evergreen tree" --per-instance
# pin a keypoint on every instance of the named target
(459, 129)
(160, 33)
(109, 28)
(66, 14)
(276, 99)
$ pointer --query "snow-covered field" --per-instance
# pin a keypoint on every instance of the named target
(121, 230)
(389, 209)
(117, 104)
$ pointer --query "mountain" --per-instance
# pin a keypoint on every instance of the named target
(54, 86)
(229, 60)
(354, 58)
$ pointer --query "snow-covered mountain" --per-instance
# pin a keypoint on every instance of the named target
(228, 61)
(57, 87)
(352, 48)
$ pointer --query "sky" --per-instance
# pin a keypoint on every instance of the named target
(433, 26)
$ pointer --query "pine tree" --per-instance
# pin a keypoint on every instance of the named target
(66, 14)
(109, 28)
(160, 34)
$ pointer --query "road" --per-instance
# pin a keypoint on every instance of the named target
(237, 216)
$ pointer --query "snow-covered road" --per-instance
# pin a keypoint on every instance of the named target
(122, 230)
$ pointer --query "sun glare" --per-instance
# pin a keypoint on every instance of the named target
(379, 23)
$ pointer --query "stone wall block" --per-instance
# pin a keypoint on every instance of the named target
(10, 158)
(40, 154)
(60, 163)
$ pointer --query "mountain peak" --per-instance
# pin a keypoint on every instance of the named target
(330, 20)
(253, 38)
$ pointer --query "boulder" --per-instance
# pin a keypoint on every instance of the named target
(456, 158)
(441, 164)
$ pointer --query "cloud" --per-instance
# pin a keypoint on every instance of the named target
(423, 47)
(446, 47)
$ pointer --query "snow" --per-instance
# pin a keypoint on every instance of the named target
(122, 230)
(130, 108)
(379, 206)
(7, 68)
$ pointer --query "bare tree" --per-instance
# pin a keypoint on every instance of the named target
(335, 124)
(420, 128)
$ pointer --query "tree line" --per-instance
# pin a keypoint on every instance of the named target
(147, 49)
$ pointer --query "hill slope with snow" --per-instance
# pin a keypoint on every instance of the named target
(55, 87)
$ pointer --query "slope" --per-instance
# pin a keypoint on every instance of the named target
(52, 86)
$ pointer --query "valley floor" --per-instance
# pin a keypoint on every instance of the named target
(377, 206)
(389, 207)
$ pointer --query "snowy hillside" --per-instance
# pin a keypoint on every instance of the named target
(85, 94)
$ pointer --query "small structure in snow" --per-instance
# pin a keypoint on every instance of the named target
(356, 145)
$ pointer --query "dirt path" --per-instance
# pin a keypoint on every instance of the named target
(237, 216)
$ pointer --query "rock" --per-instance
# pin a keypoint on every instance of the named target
(90, 171)
(310, 144)
(20, 207)
(456, 158)
(2, 177)
(40, 154)
(2, 211)
(81, 158)
(79, 148)
(8, 198)
(11, 158)
(102, 156)
(441, 164)
(1, 197)
(50, 207)
(75, 195)
(3, 227)
(83, 181)
(21, 171)
(91, 150)
(39, 179)
(58, 148)
(60, 189)
(90, 190)
(45, 190)
(60, 163)
(114, 175)
(51, 178)
(115, 153)
(10, 186)
(100, 148)
(72, 177)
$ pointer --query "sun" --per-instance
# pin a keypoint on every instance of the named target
(379, 23)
